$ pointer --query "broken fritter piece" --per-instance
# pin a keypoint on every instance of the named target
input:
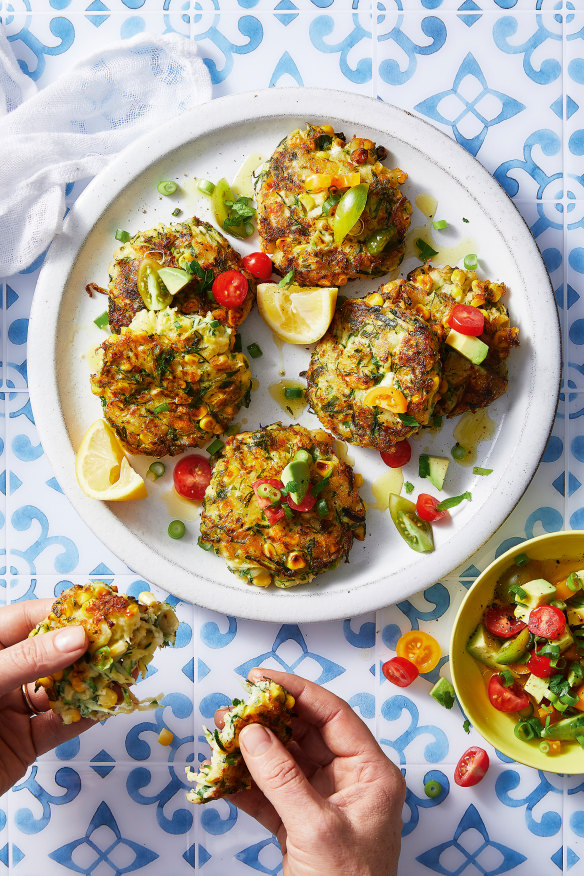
(226, 773)
(123, 634)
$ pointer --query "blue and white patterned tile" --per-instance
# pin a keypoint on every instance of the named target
(19, 292)
(459, 832)
(232, 842)
(45, 534)
(248, 51)
(493, 89)
(573, 825)
(124, 822)
(574, 337)
(574, 110)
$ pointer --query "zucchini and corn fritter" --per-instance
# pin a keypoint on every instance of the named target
(432, 293)
(271, 541)
(193, 246)
(168, 382)
(373, 365)
(268, 704)
(123, 635)
(303, 190)
(383, 370)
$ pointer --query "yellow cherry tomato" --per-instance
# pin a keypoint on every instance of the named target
(420, 648)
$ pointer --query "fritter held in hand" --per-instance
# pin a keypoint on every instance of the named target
(303, 190)
(268, 704)
(276, 540)
(170, 382)
(194, 246)
(373, 379)
(123, 635)
(432, 293)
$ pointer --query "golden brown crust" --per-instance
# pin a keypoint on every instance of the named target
(299, 237)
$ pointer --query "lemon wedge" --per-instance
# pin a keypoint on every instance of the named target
(297, 314)
(101, 467)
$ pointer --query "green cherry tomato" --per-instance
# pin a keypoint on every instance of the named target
(417, 533)
(349, 210)
(153, 292)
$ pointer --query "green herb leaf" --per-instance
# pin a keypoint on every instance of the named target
(453, 501)
(287, 279)
(424, 465)
(482, 471)
(409, 487)
(407, 420)
(425, 251)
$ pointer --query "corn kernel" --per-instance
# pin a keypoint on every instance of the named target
(77, 684)
(328, 129)
(261, 578)
(295, 561)
(269, 550)
(147, 598)
(358, 480)
(74, 715)
(165, 737)
(207, 424)
(374, 300)
(45, 681)
(200, 411)
(118, 649)
(108, 698)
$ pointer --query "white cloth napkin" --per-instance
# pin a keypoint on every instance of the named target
(72, 128)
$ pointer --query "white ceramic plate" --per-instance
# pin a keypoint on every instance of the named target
(213, 141)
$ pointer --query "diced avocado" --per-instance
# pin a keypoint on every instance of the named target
(522, 613)
(564, 641)
(513, 649)
(469, 347)
(568, 728)
(443, 692)
(575, 610)
(174, 279)
(484, 647)
(537, 592)
(297, 472)
(537, 687)
(438, 466)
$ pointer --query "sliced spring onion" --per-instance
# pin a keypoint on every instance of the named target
(521, 560)
(206, 186)
(156, 470)
(330, 202)
(254, 350)
(176, 212)
(102, 321)
(432, 789)
(161, 408)
(176, 529)
(544, 747)
(440, 224)
(167, 187)
(215, 446)
(237, 343)
(482, 471)
(293, 392)
(204, 545)
(122, 235)
(471, 261)
(458, 452)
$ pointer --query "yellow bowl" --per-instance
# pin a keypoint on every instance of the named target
(497, 727)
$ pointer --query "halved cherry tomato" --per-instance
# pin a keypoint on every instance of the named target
(400, 671)
(471, 767)
(467, 320)
(540, 665)
(400, 454)
(191, 476)
(264, 501)
(274, 513)
(547, 621)
(500, 621)
(259, 265)
(230, 288)
(415, 532)
(308, 502)
(427, 508)
(507, 699)
(419, 648)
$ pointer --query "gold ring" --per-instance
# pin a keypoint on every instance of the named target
(28, 702)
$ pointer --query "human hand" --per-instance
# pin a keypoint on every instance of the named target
(23, 735)
(333, 799)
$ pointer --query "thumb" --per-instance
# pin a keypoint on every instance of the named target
(278, 776)
(41, 655)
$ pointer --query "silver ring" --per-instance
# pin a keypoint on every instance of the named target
(28, 702)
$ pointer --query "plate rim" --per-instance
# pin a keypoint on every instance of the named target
(124, 169)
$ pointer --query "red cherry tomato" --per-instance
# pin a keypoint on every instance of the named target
(467, 320)
(427, 508)
(400, 454)
(265, 501)
(307, 503)
(547, 621)
(471, 767)
(191, 476)
(274, 514)
(507, 699)
(230, 288)
(259, 265)
(400, 671)
(540, 665)
(500, 621)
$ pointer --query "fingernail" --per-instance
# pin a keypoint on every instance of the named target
(255, 739)
(70, 639)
